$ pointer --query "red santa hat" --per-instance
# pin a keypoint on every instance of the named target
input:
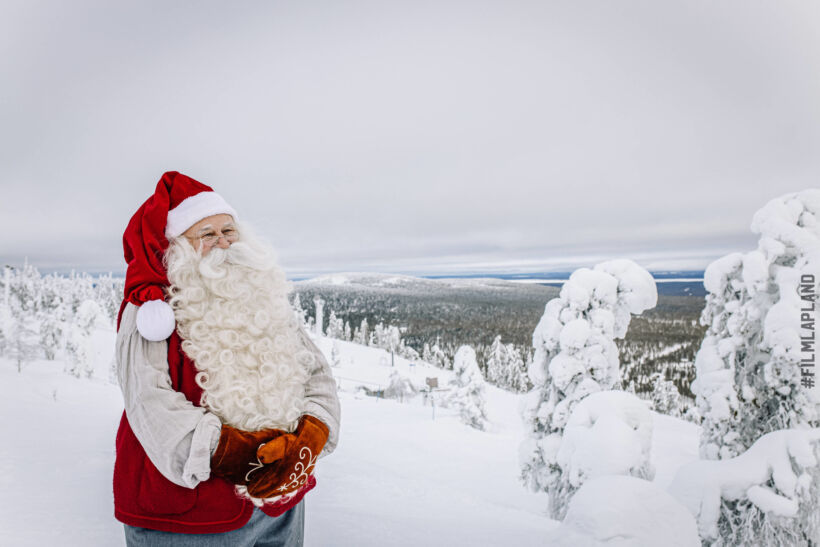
(178, 203)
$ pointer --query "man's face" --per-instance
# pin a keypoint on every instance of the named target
(213, 231)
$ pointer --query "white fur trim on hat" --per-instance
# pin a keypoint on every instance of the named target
(193, 209)
(155, 320)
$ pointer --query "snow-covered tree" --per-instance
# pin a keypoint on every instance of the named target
(347, 335)
(608, 433)
(22, 328)
(665, 396)
(505, 366)
(82, 289)
(51, 314)
(426, 354)
(23, 337)
(51, 333)
(407, 352)
(376, 335)
(79, 346)
(361, 335)
(767, 495)
(392, 340)
(5, 313)
(35, 309)
(5, 330)
(108, 295)
(301, 313)
(575, 355)
(335, 327)
(496, 359)
(6, 286)
(437, 356)
(515, 375)
(467, 389)
(318, 324)
(749, 376)
(386, 337)
(400, 387)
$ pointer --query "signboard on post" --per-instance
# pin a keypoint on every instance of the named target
(432, 383)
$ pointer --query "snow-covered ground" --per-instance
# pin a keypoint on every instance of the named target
(398, 476)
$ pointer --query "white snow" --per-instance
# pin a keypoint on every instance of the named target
(719, 272)
(574, 335)
(771, 502)
(608, 433)
(398, 476)
(674, 443)
(636, 286)
(791, 219)
(627, 511)
(714, 382)
(57, 457)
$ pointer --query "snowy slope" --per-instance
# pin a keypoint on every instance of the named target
(56, 457)
(398, 476)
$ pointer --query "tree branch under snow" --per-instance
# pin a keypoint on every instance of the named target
(771, 474)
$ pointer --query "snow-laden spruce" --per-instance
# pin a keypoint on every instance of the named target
(335, 327)
(751, 387)
(78, 346)
(505, 366)
(575, 355)
(361, 335)
(767, 495)
(435, 355)
(608, 433)
(399, 387)
(666, 398)
(749, 378)
(467, 389)
(318, 314)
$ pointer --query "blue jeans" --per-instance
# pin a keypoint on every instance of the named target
(286, 530)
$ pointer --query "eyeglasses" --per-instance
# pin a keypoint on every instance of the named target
(210, 239)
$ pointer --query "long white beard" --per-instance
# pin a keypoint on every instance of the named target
(239, 330)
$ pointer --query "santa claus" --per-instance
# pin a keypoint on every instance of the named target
(228, 402)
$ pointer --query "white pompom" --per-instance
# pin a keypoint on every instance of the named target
(155, 320)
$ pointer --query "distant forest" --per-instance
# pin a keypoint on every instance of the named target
(664, 339)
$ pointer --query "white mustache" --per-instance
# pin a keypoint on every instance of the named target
(212, 264)
(215, 264)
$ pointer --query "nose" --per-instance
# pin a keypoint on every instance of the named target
(223, 243)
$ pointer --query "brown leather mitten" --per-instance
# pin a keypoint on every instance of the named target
(289, 459)
(235, 456)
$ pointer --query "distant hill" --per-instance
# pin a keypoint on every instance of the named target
(669, 282)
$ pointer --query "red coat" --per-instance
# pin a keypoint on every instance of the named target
(144, 497)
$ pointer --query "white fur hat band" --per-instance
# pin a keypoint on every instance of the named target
(193, 209)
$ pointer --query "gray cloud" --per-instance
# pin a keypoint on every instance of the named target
(410, 136)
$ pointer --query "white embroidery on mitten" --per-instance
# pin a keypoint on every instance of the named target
(255, 465)
(301, 470)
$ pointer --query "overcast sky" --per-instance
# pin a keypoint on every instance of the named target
(416, 137)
